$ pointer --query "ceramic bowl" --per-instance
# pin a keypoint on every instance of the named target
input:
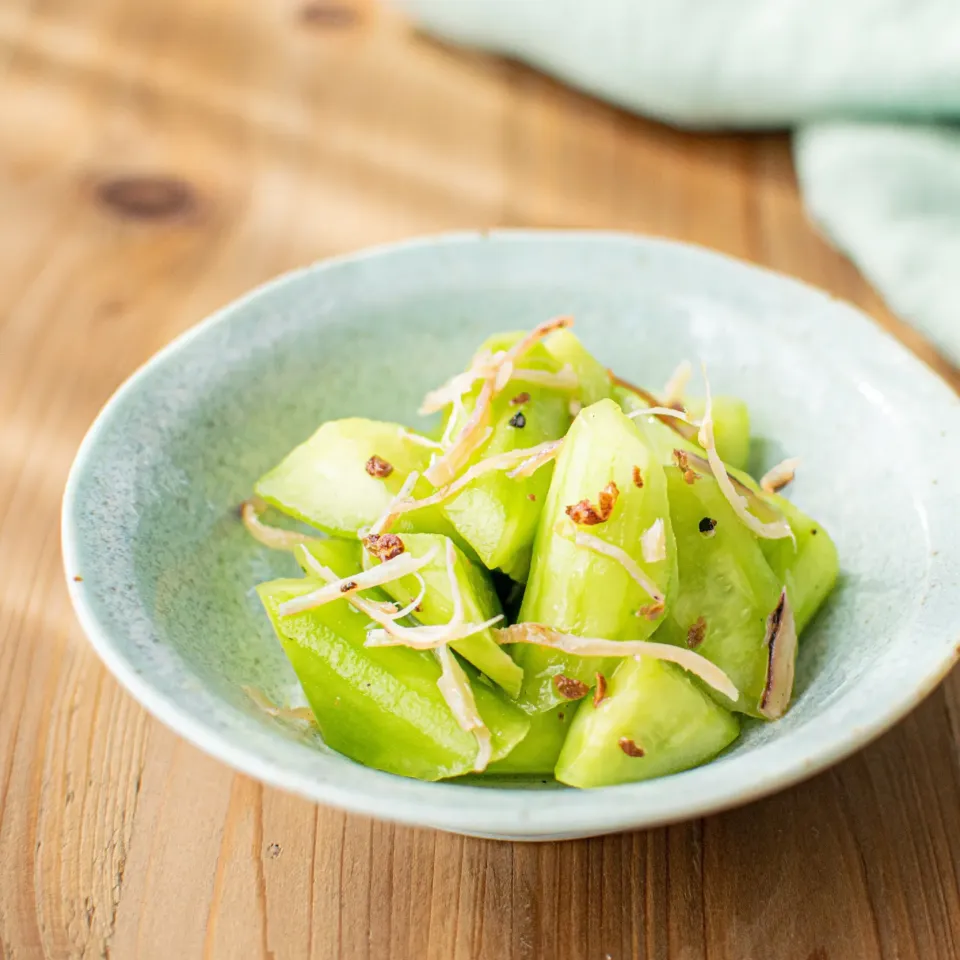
(150, 517)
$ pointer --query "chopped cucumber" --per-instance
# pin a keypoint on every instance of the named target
(653, 721)
(593, 377)
(727, 589)
(480, 603)
(381, 706)
(495, 514)
(538, 751)
(619, 539)
(809, 570)
(575, 589)
(325, 481)
(731, 427)
(343, 557)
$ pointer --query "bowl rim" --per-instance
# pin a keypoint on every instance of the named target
(459, 807)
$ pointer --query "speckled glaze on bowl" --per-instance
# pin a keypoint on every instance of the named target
(150, 512)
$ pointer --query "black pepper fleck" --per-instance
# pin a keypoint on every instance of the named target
(518, 420)
(707, 526)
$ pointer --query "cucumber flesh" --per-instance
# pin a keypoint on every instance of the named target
(809, 571)
(650, 706)
(538, 751)
(381, 706)
(726, 590)
(731, 427)
(593, 377)
(324, 481)
(496, 515)
(480, 603)
(577, 590)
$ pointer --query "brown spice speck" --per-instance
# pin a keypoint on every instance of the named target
(383, 546)
(651, 611)
(637, 478)
(348, 586)
(378, 467)
(520, 398)
(680, 459)
(630, 748)
(587, 514)
(601, 690)
(569, 687)
(531, 497)
(78, 579)
(697, 633)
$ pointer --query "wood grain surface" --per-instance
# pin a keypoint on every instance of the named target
(158, 158)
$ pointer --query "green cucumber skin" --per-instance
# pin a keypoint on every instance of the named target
(577, 590)
(656, 706)
(324, 481)
(480, 603)
(381, 706)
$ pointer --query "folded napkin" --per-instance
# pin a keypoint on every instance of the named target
(872, 88)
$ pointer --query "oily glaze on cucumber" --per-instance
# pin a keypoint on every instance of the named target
(653, 721)
(480, 603)
(381, 706)
(574, 589)
(325, 481)
(726, 588)
(495, 514)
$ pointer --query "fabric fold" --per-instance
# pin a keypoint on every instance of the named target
(871, 88)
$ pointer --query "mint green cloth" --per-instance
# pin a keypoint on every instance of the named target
(872, 88)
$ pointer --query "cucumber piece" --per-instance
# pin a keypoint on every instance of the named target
(381, 706)
(480, 603)
(727, 589)
(809, 571)
(595, 383)
(324, 481)
(496, 515)
(577, 590)
(538, 751)
(343, 557)
(650, 707)
(731, 427)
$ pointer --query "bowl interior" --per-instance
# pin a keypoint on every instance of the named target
(151, 519)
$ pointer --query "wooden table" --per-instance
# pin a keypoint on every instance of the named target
(160, 157)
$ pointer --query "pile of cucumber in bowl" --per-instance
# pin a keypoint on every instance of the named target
(572, 577)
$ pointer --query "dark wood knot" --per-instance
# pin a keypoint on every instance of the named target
(327, 14)
(148, 197)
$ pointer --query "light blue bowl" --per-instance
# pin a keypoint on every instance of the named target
(150, 513)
